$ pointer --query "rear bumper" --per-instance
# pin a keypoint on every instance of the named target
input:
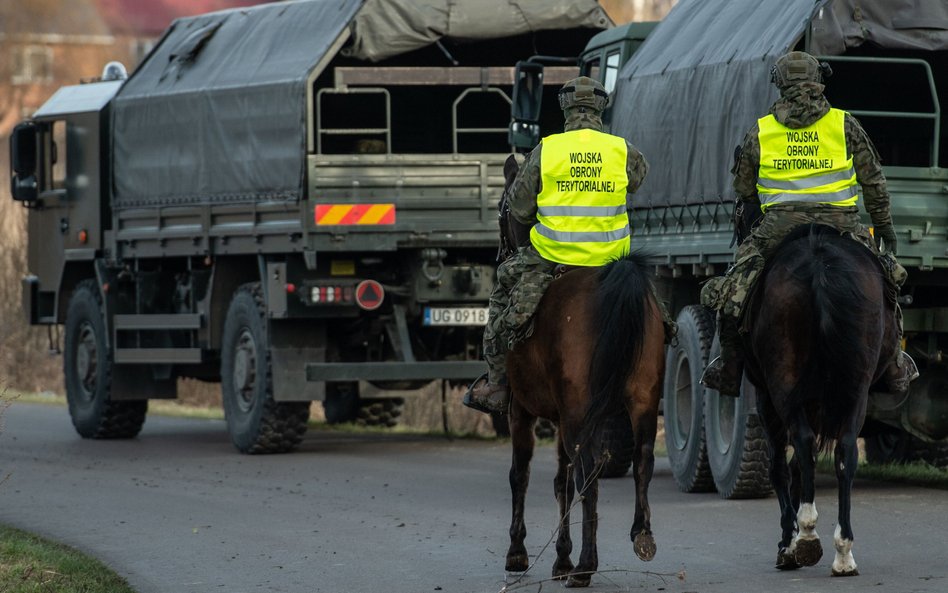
(394, 371)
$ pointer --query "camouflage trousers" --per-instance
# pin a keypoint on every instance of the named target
(727, 294)
(521, 282)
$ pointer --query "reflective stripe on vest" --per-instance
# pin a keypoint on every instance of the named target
(581, 209)
(805, 164)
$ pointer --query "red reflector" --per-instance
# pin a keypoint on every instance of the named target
(290, 287)
(369, 295)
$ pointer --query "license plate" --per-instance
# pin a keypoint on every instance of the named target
(446, 316)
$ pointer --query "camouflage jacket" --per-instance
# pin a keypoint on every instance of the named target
(800, 106)
(526, 187)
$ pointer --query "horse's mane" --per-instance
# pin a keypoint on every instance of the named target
(831, 269)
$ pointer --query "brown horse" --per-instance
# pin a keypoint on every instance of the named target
(822, 334)
(597, 351)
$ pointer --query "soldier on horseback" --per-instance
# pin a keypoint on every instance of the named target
(576, 198)
(799, 165)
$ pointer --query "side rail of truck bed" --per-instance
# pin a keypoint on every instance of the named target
(444, 200)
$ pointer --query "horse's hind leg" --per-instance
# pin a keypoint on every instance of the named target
(805, 547)
(563, 489)
(846, 456)
(586, 473)
(644, 429)
(522, 441)
(779, 477)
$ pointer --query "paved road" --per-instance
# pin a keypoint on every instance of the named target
(178, 511)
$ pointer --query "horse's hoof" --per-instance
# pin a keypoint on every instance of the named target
(578, 580)
(786, 561)
(808, 551)
(846, 573)
(517, 563)
(644, 546)
(561, 570)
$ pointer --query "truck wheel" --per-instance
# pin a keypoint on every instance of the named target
(737, 446)
(617, 440)
(257, 424)
(683, 400)
(87, 367)
(380, 411)
(342, 402)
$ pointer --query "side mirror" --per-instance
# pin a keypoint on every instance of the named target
(524, 132)
(23, 151)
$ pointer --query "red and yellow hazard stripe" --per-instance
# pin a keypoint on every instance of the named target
(352, 214)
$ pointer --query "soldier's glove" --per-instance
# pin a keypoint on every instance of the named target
(886, 235)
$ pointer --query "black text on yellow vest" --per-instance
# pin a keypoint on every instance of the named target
(805, 164)
(582, 219)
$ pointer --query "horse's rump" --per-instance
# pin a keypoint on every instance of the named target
(818, 325)
(590, 331)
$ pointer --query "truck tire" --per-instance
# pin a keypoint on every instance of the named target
(87, 370)
(737, 447)
(683, 400)
(617, 440)
(342, 402)
(256, 423)
(380, 411)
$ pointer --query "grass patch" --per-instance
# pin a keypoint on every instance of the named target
(30, 564)
(917, 473)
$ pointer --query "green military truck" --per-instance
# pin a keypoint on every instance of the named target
(296, 199)
(686, 97)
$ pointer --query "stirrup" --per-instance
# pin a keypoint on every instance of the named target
(712, 379)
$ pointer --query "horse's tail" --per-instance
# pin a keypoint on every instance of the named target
(620, 322)
(833, 269)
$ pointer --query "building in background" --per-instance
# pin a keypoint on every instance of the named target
(625, 11)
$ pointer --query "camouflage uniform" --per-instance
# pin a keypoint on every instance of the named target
(799, 106)
(523, 279)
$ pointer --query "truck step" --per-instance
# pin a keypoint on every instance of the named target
(157, 355)
(156, 322)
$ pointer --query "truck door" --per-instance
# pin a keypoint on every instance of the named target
(49, 214)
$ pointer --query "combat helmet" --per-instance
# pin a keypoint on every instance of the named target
(583, 92)
(796, 67)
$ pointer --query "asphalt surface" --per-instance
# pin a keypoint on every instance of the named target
(177, 510)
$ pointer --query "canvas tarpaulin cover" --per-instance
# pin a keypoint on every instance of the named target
(217, 112)
(696, 85)
(892, 24)
(702, 78)
(384, 28)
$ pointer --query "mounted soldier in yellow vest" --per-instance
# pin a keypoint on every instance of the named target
(802, 164)
(574, 190)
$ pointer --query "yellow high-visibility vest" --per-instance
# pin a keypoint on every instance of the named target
(805, 164)
(581, 208)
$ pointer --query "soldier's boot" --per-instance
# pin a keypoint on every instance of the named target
(902, 370)
(726, 371)
(490, 397)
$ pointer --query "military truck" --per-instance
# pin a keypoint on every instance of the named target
(296, 199)
(686, 97)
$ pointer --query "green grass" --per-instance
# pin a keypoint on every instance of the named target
(917, 473)
(30, 564)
